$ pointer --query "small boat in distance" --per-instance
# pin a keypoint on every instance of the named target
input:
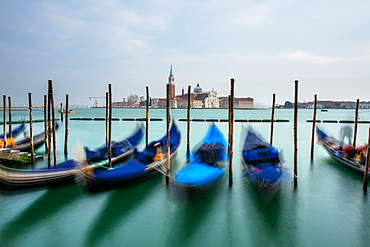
(324, 110)
(64, 111)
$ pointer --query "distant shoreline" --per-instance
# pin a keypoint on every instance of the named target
(36, 108)
(136, 108)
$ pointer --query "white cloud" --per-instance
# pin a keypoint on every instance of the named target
(310, 57)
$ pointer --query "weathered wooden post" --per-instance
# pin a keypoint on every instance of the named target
(147, 117)
(356, 123)
(47, 128)
(231, 130)
(168, 151)
(61, 112)
(106, 117)
(31, 128)
(272, 119)
(295, 134)
(51, 99)
(4, 125)
(188, 126)
(110, 126)
(313, 125)
(366, 172)
(66, 131)
(10, 117)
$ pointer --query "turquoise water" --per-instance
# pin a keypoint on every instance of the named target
(328, 208)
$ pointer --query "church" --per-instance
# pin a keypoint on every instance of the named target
(198, 98)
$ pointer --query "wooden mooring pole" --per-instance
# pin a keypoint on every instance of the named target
(147, 117)
(272, 118)
(49, 131)
(106, 117)
(66, 131)
(4, 115)
(61, 112)
(110, 126)
(366, 172)
(47, 128)
(295, 133)
(31, 128)
(188, 126)
(231, 130)
(51, 99)
(168, 151)
(10, 117)
(356, 123)
(313, 126)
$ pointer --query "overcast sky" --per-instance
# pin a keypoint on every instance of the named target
(265, 45)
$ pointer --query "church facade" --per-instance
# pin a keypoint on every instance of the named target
(198, 98)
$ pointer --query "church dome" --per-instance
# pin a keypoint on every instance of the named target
(198, 89)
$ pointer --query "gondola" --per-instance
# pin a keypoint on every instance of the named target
(120, 149)
(262, 163)
(145, 164)
(24, 144)
(334, 148)
(15, 132)
(207, 164)
(63, 173)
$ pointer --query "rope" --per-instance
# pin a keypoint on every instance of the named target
(162, 169)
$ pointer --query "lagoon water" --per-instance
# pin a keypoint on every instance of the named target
(328, 207)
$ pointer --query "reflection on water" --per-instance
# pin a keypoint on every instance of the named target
(120, 204)
(328, 203)
(364, 237)
(39, 212)
(191, 215)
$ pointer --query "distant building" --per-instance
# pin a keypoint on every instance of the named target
(328, 104)
(238, 102)
(126, 104)
(198, 98)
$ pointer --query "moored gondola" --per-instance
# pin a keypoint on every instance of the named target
(145, 164)
(24, 144)
(262, 162)
(64, 172)
(353, 161)
(15, 132)
(207, 164)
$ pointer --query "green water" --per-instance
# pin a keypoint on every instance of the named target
(328, 208)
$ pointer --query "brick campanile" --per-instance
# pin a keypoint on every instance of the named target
(171, 82)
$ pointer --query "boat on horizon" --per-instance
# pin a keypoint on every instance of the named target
(64, 111)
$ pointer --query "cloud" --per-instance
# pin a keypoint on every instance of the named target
(310, 57)
(264, 45)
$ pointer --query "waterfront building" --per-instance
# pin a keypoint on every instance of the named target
(198, 98)
(238, 102)
(329, 104)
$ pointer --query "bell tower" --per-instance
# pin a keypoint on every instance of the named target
(171, 82)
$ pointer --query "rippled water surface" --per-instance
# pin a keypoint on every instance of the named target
(328, 208)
